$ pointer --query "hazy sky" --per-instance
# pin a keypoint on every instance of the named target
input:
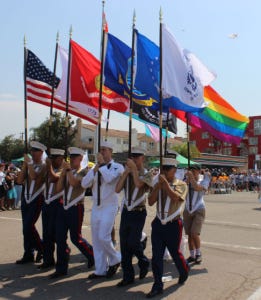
(225, 35)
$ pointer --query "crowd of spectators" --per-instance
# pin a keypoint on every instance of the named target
(10, 191)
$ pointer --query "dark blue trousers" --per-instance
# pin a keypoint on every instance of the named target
(71, 220)
(49, 215)
(169, 236)
(30, 215)
(131, 226)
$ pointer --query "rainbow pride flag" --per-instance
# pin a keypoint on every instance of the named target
(218, 118)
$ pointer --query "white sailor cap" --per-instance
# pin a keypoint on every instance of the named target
(106, 144)
(136, 151)
(56, 152)
(37, 146)
(166, 161)
(172, 153)
(76, 151)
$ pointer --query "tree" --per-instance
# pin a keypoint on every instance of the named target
(58, 132)
(11, 148)
(183, 150)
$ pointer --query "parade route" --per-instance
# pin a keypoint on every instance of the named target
(231, 267)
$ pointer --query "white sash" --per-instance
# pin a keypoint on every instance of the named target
(31, 195)
(134, 202)
(69, 194)
(54, 197)
(166, 211)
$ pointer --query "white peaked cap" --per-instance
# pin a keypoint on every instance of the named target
(75, 150)
(55, 151)
(169, 162)
(137, 150)
(37, 145)
(107, 144)
(172, 152)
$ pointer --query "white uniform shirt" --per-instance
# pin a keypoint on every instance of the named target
(110, 175)
(197, 196)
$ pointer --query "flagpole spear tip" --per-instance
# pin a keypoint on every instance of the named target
(57, 37)
(160, 15)
(25, 41)
(70, 32)
(134, 17)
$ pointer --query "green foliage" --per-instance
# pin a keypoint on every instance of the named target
(11, 148)
(58, 132)
(183, 150)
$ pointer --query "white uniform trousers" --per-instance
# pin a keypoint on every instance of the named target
(102, 221)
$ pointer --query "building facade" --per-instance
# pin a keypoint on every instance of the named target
(86, 137)
(249, 147)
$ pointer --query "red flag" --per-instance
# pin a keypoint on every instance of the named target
(85, 79)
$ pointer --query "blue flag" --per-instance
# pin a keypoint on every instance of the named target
(117, 70)
(148, 75)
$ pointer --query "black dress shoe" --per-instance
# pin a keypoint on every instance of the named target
(39, 256)
(90, 263)
(95, 276)
(154, 293)
(124, 282)
(45, 266)
(25, 260)
(57, 275)
(182, 279)
(144, 271)
(112, 270)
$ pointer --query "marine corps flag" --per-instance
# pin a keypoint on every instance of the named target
(85, 81)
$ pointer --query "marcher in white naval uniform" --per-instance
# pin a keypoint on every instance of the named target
(107, 258)
(169, 193)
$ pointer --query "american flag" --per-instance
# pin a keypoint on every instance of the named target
(39, 79)
(39, 82)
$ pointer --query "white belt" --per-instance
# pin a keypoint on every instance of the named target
(134, 202)
(74, 201)
(54, 197)
(169, 218)
(32, 196)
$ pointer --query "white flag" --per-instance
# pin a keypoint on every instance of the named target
(183, 74)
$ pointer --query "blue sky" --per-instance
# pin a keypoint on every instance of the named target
(201, 26)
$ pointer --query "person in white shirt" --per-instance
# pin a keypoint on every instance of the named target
(103, 178)
(194, 212)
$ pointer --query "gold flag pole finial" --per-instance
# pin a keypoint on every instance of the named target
(160, 15)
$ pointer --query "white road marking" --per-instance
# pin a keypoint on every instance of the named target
(6, 218)
(254, 225)
(256, 295)
(230, 246)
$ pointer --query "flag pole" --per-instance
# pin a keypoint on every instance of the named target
(131, 98)
(52, 95)
(160, 116)
(166, 137)
(68, 93)
(25, 114)
(160, 91)
(100, 97)
(188, 154)
(67, 111)
(25, 100)
(51, 111)
(107, 124)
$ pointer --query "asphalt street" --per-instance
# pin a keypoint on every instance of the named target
(231, 266)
